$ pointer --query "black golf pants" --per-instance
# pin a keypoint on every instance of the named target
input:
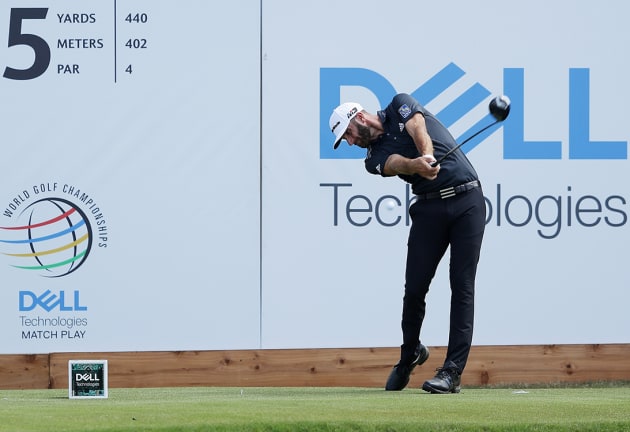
(458, 222)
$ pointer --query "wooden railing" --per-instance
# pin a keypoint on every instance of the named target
(343, 367)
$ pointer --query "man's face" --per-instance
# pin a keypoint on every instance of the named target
(358, 134)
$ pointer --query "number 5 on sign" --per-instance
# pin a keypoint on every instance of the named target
(39, 45)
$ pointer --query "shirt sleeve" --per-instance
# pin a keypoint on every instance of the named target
(406, 106)
(375, 161)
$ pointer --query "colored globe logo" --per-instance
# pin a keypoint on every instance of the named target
(53, 238)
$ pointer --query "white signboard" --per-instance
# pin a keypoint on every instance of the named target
(169, 183)
(555, 176)
(126, 223)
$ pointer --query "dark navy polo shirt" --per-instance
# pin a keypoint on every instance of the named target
(454, 170)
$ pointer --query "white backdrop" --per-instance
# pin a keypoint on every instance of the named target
(221, 219)
(170, 154)
(328, 282)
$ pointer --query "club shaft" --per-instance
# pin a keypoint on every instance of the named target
(439, 161)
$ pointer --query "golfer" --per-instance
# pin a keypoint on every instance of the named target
(449, 210)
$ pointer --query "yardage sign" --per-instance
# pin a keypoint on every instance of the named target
(87, 379)
(67, 41)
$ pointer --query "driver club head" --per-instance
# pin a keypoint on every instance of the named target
(500, 107)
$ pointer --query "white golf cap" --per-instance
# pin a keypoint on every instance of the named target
(340, 119)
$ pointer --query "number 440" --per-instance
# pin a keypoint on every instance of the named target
(138, 18)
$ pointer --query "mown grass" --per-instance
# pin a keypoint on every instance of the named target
(319, 409)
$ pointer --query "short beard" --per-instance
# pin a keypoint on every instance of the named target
(365, 137)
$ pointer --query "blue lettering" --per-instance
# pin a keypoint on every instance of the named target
(48, 301)
(77, 306)
(514, 144)
(26, 295)
(580, 145)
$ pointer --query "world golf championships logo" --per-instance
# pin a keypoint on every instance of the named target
(52, 237)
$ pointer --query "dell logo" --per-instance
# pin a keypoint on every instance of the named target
(580, 145)
(49, 301)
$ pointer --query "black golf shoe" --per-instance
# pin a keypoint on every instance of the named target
(399, 377)
(446, 380)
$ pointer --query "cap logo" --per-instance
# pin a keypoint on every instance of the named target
(352, 112)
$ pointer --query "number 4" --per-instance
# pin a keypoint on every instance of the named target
(129, 70)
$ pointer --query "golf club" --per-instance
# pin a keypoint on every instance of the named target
(499, 108)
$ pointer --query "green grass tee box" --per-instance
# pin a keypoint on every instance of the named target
(319, 409)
